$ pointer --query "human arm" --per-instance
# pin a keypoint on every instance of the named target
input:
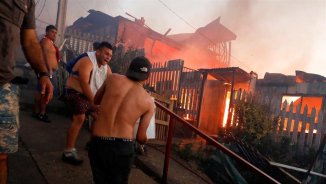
(99, 94)
(109, 71)
(47, 48)
(34, 56)
(145, 119)
(85, 69)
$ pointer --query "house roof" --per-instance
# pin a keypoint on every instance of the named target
(276, 79)
(226, 74)
(302, 76)
(214, 32)
(94, 21)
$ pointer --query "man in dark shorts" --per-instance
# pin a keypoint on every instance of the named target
(122, 100)
(87, 75)
(17, 18)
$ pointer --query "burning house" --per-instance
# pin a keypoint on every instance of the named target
(207, 47)
(302, 88)
(300, 102)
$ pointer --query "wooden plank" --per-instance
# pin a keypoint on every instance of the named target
(161, 122)
(283, 114)
(320, 130)
(311, 127)
(303, 127)
(290, 117)
(296, 123)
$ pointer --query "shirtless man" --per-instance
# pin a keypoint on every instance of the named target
(51, 56)
(122, 101)
(88, 74)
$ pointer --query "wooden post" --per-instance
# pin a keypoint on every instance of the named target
(61, 21)
(228, 122)
(201, 97)
(168, 150)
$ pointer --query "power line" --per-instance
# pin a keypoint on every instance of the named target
(47, 12)
(108, 3)
(176, 14)
(41, 9)
(42, 21)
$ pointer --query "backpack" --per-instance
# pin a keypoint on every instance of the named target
(71, 63)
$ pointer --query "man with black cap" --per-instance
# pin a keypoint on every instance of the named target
(122, 100)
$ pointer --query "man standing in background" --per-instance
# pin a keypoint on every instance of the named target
(17, 18)
(52, 57)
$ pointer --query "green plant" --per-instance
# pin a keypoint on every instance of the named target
(254, 121)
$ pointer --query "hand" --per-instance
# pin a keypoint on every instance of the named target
(94, 111)
(94, 108)
(46, 88)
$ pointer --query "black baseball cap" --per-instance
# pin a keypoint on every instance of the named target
(139, 69)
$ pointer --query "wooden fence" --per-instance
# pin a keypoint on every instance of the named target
(162, 119)
(304, 128)
(180, 84)
(80, 42)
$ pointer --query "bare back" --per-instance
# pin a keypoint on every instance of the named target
(123, 101)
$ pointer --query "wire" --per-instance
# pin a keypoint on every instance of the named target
(79, 3)
(108, 3)
(41, 9)
(42, 21)
(47, 12)
(176, 14)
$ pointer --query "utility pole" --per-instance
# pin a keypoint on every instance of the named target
(61, 21)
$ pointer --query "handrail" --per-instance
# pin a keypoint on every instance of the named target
(208, 139)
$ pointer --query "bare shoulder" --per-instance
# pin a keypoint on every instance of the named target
(84, 66)
(46, 42)
(115, 76)
(150, 102)
(85, 62)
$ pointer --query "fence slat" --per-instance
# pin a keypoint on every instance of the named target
(304, 119)
(289, 121)
(311, 126)
(296, 124)
(320, 130)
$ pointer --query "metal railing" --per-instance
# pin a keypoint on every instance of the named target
(173, 118)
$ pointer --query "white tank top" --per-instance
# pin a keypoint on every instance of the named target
(99, 74)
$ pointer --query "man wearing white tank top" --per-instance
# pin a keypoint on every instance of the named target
(88, 73)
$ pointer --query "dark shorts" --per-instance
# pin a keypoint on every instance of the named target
(9, 121)
(111, 159)
(78, 102)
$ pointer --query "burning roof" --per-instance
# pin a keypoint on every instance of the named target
(288, 80)
(212, 33)
(228, 74)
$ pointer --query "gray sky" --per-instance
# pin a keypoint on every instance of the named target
(277, 36)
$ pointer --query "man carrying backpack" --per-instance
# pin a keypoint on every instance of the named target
(87, 73)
